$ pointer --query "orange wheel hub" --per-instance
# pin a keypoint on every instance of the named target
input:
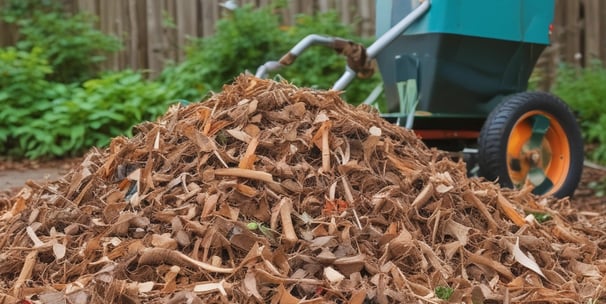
(538, 150)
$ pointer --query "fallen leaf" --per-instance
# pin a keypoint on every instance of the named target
(523, 259)
(59, 250)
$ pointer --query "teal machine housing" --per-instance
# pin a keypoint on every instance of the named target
(464, 55)
(456, 72)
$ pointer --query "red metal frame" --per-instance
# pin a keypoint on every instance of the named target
(447, 134)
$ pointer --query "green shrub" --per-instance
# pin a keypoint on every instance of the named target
(320, 67)
(70, 43)
(244, 39)
(15, 10)
(45, 119)
(247, 38)
(48, 112)
(119, 100)
(92, 114)
(24, 95)
(584, 90)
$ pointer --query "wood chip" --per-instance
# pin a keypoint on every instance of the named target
(225, 201)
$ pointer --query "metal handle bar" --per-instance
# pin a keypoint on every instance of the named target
(371, 52)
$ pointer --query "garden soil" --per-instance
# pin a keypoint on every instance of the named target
(269, 193)
(15, 174)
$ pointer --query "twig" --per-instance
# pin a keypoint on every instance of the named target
(510, 211)
(246, 173)
(470, 197)
(498, 267)
(423, 196)
(249, 157)
(155, 256)
(325, 147)
(287, 227)
(26, 273)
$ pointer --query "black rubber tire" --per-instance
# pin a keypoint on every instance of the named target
(493, 139)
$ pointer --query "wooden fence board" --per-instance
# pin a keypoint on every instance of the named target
(367, 18)
(87, 6)
(579, 26)
(187, 19)
(106, 24)
(170, 30)
(123, 26)
(306, 7)
(209, 16)
(8, 33)
(345, 9)
(324, 5)
(572, 29)
(155, 43)
(264, 2)
(133, 41)
(592, 29)
(294, 9)
(602, 37)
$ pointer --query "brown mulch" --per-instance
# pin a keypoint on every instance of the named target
(270, 193)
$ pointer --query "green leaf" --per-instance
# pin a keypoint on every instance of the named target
(541, 217)
(444, 292)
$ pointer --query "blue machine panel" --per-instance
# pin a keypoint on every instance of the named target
(514, 20)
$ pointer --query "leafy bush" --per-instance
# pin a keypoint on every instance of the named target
(584, 90)
(320, 67)
(243, 40)
(70, 43)
(47, 111)
(249, 37)
(90, 115)
(24, 94)
(41, 118)
(15, 10)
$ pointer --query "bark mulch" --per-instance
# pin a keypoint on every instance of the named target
(269, 193)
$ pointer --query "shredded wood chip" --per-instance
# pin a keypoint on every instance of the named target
(266, 192)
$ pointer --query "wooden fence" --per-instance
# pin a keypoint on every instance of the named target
(149, 43)
(579, 37)
(579, 26)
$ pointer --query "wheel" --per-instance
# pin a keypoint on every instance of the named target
(532, 137)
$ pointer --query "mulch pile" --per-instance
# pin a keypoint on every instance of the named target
(268, 193)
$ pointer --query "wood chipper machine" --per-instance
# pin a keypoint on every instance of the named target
(456, 72)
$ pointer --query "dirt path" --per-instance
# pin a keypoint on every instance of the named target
(587, 196)
(17, 178)
(14, 174)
